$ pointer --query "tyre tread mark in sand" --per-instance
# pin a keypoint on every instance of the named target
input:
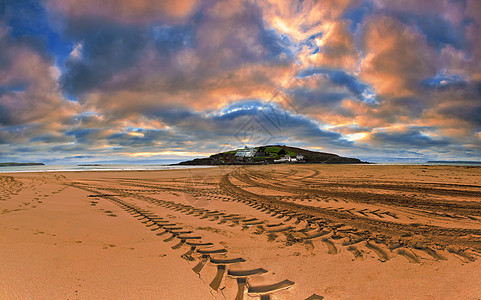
(383, 256)
(330, 245)
(367, 197)
(438, 234)
(221, 263)
(409, 255)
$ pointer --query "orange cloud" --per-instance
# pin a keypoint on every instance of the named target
(452, 11)
(455, 113)
(39, 97)
(127, 10)
(397, 57)
(301, 20)
(158, 91)
(336, 48)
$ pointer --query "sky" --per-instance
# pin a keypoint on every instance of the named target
(146, 81)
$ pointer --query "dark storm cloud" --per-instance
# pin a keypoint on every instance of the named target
(307, 98)
(143, 139)
(244, 38)
(438, 31)
(106, 49)
(339, 77)
(410, 138)
(464, 112)
(49, 138)
(272, 121)
(85, 135)
(14, 134)
(5, 118)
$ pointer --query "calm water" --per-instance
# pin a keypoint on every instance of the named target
(432, 164)
(134, 167)
(119, 167)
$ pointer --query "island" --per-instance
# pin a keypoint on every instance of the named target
(271, 154)
(13, 164)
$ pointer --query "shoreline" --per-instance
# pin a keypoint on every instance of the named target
(160, 167)
(71, 168)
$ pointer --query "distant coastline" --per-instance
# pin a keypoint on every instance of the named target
(77, 168)
(13, 164)
(468, 162)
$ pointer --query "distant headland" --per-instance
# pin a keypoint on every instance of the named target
(13, 164)
(271, 154)
(467, 162)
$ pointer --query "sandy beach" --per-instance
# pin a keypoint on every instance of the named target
(244, 232)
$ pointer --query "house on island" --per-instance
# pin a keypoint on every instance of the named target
(288, 158)
(246, 152)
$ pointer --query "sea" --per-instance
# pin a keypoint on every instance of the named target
(440, 163)
(77, 168)
(139, 167)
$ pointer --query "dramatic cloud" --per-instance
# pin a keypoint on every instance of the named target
(161, 80)
(397, 57)
(139, 11)
(336, 48)
(303, 19)
(30, 98)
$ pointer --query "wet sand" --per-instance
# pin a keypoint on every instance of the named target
(282, 231)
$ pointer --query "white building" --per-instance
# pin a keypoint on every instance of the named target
(246, 152)
(286, 158)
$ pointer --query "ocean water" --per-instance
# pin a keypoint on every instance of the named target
(76, 168)
(137, 167)
(465, 163)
